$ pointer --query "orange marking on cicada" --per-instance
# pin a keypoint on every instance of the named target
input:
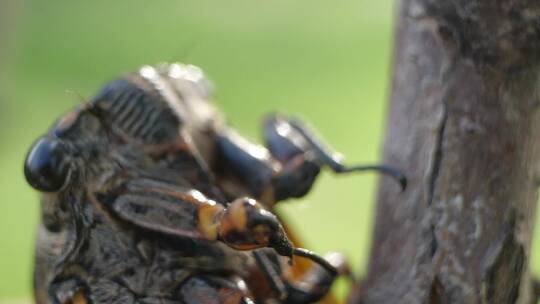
(79, 298)
(261, 234)
(208, 217)
(234, 219)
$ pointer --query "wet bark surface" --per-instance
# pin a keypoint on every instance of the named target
(464, 125)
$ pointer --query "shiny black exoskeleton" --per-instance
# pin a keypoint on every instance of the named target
(148, 197)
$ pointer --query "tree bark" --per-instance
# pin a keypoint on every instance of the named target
(464, 125)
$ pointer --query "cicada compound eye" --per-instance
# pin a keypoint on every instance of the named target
(45, 167)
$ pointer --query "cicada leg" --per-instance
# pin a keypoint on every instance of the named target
(287, 167)
(313, 284)
(284, 283)
(301, 153)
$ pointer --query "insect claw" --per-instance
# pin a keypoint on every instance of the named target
(387, 170)
(315, 258)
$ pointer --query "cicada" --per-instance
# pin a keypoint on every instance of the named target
(147, 196)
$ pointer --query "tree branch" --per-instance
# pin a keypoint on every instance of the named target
(463, 123)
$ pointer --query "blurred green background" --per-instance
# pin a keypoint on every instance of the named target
(326, 61)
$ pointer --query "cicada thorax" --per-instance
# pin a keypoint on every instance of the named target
(164, 113)
(158, 106)
(187, 92)
(131, 108)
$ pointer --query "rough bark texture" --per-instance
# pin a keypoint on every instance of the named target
(464, 125)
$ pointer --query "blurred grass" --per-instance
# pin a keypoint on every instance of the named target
(325, 61)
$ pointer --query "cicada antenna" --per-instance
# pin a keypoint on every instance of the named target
(81, 98)
(86, 104)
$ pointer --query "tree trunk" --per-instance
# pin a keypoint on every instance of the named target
(464, 125)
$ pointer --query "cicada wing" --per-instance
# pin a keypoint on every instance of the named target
(162, 208)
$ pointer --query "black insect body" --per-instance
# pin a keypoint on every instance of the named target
(148, 197)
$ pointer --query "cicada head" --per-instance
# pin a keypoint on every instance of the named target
(148, 114)
(53, 159)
